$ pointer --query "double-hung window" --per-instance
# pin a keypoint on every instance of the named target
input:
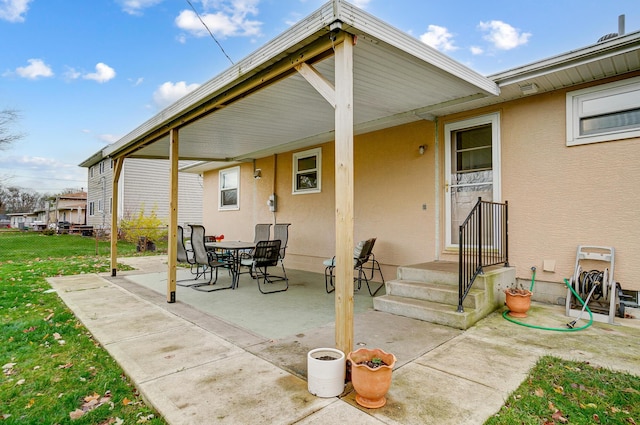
(229, 189)
(603, 113)
(307, 167)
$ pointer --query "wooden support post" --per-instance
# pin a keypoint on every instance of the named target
(344, 194)
(173, 215)
(117, 169)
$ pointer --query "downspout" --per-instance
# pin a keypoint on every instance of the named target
(438, 188)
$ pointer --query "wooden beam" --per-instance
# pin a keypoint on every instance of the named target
(317, 80)
(117, 169)
(344, 194)
(174, 142)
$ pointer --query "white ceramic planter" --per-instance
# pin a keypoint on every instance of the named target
(325, 378)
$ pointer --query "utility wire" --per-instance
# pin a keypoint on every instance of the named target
(210, 33)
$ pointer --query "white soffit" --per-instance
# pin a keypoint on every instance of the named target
(397, 79)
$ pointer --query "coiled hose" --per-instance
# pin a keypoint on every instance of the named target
(565, 329)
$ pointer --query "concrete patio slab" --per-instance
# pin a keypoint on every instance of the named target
(242, 389)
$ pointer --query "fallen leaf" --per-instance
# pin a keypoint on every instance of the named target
(94, 396)
(76, 414)
(631, 421)
(558, 389)
(20, 382)
(46, 319)
(552, 407)
(65, 366)
(631, 390)
(56, 336)
(539, 392)
(31, 402)
(29, 329)
(557, 415)
(596, 417)
(125, 401)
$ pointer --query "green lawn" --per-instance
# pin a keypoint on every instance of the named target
(54, 370)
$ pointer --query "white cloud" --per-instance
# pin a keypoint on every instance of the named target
(71, 74)
(135, 7)
(475, 50)
(439, 38)
(103, 73)
(169, 92)
(503, 36)
(36, 69)
(361, 3)
(107, 139)
(224, 18)
(13, 10)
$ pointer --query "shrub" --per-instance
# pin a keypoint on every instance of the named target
(144, 230)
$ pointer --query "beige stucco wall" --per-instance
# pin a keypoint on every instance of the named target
(392, 182)
(561, 197)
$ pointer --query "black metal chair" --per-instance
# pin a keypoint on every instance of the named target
(265, 255)
(364, 262)
(281, 233)
(209, 260)
(185, 255)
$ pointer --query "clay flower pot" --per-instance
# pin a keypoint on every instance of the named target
(518, 301)
(371, 383)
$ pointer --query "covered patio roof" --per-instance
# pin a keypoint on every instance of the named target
(336, 73)
(262, 105)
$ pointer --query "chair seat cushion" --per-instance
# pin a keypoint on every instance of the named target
(331, 262)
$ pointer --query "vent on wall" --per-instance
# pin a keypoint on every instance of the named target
(614, 34)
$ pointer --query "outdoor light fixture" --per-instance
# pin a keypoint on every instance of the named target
(257, 173)
(422, 148)
(530, 88)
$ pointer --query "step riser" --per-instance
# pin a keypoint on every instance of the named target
(451, 319)
(444, 294)
(433, 276)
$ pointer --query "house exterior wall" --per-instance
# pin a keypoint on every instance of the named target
(143, 183)
(559, 196)
(388, 202)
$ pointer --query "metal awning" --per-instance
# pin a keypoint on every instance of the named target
(262, 105)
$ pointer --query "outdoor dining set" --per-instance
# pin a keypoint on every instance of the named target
(206, 254)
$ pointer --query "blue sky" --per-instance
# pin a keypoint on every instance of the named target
(83, 73)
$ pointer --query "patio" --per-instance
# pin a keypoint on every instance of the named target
(197, 367)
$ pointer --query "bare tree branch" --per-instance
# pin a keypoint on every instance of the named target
(7, 118)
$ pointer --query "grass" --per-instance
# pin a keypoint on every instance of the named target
(53, 369)
(559, 392)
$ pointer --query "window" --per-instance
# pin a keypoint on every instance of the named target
(101, 167)
(603, 113)
(91, 171)
(92, 208)
(229, 186)
(100, 206)
(307, 167)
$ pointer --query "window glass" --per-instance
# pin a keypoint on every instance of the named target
(306, 171)
(229, 185)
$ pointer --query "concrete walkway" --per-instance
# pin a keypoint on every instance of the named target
(196, 368)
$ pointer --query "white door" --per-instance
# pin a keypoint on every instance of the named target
(472, 167)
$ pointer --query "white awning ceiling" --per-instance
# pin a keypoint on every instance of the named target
(262, 106)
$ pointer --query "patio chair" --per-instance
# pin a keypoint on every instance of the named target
(364, 262)
(281, 233)
(265, 255)
(208, 260)
(185, 255)
(261, 233)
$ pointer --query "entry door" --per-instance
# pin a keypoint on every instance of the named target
(472, 169)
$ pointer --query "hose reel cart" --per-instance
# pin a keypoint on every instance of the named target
(595, 285)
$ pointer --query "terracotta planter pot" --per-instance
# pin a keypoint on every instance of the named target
(518, 303)
(371, 384)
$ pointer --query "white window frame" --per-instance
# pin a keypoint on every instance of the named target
(221, 175)
(600, 100)
(92, 207)
(317, 152)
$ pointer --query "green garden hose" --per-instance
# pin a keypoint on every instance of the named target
(566, 282)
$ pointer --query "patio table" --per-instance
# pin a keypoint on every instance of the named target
(234, 248)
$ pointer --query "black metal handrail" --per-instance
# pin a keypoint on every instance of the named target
(483, 241)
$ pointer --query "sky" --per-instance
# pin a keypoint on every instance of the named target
(83, 73)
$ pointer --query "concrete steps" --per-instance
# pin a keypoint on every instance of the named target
(429, 292)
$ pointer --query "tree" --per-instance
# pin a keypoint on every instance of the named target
(16, 200)
(8, 117)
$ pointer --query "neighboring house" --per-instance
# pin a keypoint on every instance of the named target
(68, 207)
(559, 139)
(144, 184)
(22, 220)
